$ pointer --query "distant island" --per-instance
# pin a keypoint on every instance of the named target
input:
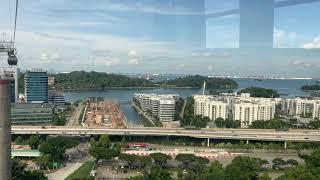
(197, 82)
(260, 92)
(314, 87)
(96, 80)
(82, 80)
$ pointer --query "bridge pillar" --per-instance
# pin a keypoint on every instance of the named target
(247, 141)
(285, 144)
(208, 142)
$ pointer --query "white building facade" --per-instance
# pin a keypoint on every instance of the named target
(242, 107)
(159, 106)
(301, 107)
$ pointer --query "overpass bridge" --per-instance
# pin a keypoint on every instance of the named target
(231, 134)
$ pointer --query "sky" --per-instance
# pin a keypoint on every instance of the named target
(160, 36)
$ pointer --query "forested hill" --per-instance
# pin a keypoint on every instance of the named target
(197, 82)
(92, 80)
(314, 87)
(260, 92)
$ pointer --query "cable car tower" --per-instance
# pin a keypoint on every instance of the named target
(5, 108)
(9, 46)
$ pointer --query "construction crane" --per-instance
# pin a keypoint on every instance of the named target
(9, 46)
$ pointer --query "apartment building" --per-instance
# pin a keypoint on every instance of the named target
(242, 107)
(301, 107)
(157, 106)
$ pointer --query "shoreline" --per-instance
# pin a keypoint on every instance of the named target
(120, 88)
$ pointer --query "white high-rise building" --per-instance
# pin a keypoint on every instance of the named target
(242, 107)
(247, 112)
(211, 107)
(301, 107)
(160, 106)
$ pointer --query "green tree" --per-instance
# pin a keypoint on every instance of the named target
(43, 161)
(199, 121)
(314, 124)
(195, 165)
(82, 79)
(219, 122)
(158, 173)
(299, 172)
(180, 174)
(56, 146)
(293, 162)
(135, 178)
(18, 172)
(197, 82)
(130, 158)
(146, 160)
(160, 159)
(313, 161)
(229, 123)
(19, 140)
(103, 149)
(123, 142)
(214, 172)
(260, 92)
(34, 141)
(264, 176)
(187, 159)
(59, 119)
(242, 168)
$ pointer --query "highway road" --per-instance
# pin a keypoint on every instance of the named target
(238, 134)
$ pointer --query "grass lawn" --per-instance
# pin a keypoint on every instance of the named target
(83, 172)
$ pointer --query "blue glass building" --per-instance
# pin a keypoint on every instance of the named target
(36, 86)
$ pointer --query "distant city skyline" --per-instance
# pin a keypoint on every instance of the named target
(159, 36)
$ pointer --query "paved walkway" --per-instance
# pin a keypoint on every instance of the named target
(64, 172)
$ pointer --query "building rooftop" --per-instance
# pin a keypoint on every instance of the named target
(30, 106)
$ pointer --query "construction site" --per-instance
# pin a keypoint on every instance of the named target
(101, 112)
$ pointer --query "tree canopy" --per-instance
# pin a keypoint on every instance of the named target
(34, 141)
(260, 92)
(214, 172)
(56, 146)
(160, 158)
(103, 148)
(242, 168)
(19, 172)
(270, 124)
(228, 123)
(89, 80)
(299, 173)
(197, 82)
(314, 87)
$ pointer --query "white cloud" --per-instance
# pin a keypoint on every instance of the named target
(314, 44)
(133, 53)
(206, 54)
(299, 63)
(194, 54)
(285, 39)
(107, 61)
(133, 61)
(210, 67)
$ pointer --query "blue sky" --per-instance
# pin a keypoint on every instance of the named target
(159, 36)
